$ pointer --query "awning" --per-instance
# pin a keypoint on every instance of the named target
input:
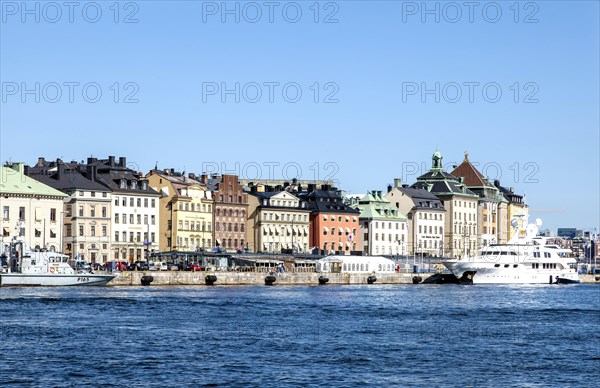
(347, 218)
(326, 229)
(347, 230)
(353, 219)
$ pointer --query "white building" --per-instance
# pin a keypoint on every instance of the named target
(425, 213)
(31, 210)
(383, 227)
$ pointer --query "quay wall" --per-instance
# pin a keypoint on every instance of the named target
(183, 278)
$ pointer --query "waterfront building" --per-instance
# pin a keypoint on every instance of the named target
(383, 228)
(425, 215)
(31, 211)
(186, 211)
(460, 221)
(230, 211)
(334, 225)
(134, 208)
(517, 211)
(492, 220)
(87, 226)
(278, 221)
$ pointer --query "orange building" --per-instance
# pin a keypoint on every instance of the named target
(334, 226)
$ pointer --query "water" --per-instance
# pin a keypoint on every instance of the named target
(350, 336)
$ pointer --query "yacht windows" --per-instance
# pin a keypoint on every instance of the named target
(506, 265)
(515, 265)
(496, 265)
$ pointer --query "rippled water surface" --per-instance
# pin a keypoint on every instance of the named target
(351, 336)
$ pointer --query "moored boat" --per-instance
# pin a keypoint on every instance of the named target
(46, 268)
(526, 259)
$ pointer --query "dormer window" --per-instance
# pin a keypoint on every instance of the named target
(144, 185)
(123, 184)
(133, 185)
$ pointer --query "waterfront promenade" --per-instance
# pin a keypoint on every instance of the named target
(230, 278)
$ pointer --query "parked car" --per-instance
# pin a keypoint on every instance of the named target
(82, 266)
(174, 267)
(152, 267)
(164, 267)
(143, 266)
(193, 267)
(122, 266)
(132, 267)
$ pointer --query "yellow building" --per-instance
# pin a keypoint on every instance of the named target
(518, 211)
(186, 211)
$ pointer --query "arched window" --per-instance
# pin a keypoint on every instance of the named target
(230, 227)
(235, 228)
(230, 212)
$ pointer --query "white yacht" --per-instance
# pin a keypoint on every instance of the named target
(44, 268)
(525, 259)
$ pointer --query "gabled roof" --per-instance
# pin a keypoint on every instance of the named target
(69, 178)
(472, 176)
(13, 181)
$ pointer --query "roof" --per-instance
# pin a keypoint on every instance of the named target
(13, 181)
(378, 208)
(68, 179)
(472, 176)
(422, 199)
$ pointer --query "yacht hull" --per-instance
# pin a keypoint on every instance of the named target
(52, 280)
(487, 273)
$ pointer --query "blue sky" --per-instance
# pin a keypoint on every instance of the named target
(370, 60)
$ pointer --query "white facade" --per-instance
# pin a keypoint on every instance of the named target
(87, 225)
(386, 237)
(355, 264)
(31, 211)
(135, 221)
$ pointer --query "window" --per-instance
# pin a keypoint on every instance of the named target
(131, 202)
(145, 219)
(130, 236)
(153, 202)
(93, 193)
(80, 211)
(153, 219)
(92, 230)
(124, 218)
(131, 220)
(80, 230)
(68, 230)
(117, 236)
(103, 211)
(104, 231)
(93, 211)
(139, 202)
(81, 193)
(124, 236)
(116, 201)
(124, 202)
(139, 219)
(104, 195)
(52, 215)
(145, 202)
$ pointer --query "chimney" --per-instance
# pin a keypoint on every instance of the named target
(191, 175)
(397, 182)
(90, 172)
(405, 186)
(60, 169)
(41, 162)
(389, 188)
(91, 160)
(122, 162)
(111, 161)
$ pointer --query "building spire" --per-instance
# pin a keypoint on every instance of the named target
(466, 156)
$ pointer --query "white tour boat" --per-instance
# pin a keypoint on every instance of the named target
(46, 268)
(525, 259)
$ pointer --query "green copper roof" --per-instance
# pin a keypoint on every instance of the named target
(13, 181)
(375, 208)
